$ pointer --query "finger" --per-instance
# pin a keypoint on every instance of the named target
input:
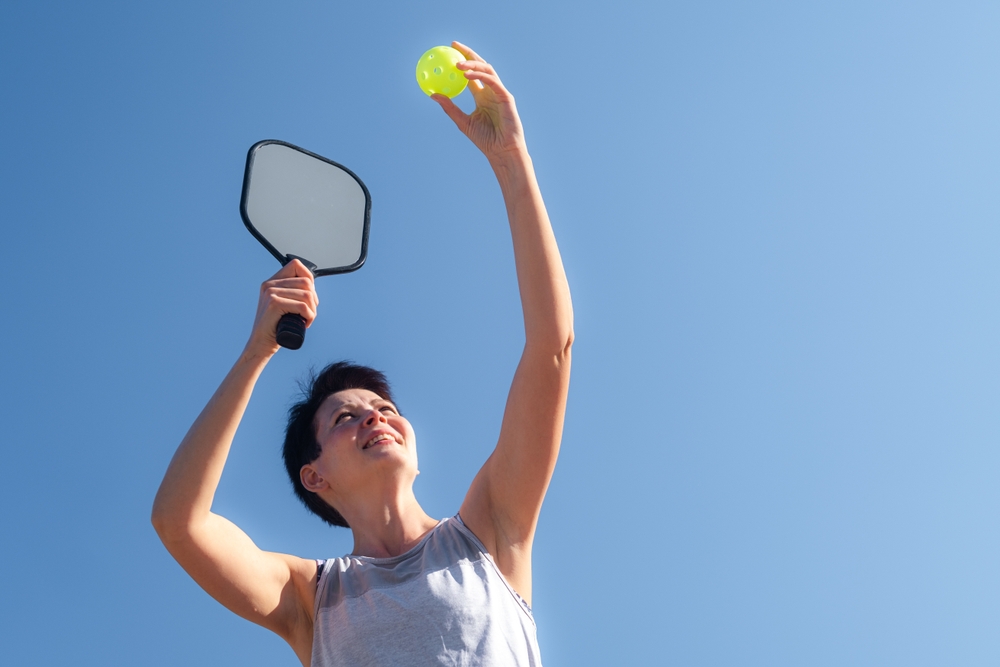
(466, 51)
(295, 282)
(476, 66)
(304, 285)
(277, 303)
(304, 310)
(292, 269)
(305, 296)
(300, 269)
(460, 118)
(279, 299)
(491, 81)
(473, 57)
(477, 70)
(467, 66)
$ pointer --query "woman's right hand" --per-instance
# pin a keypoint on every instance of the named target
(290, 290)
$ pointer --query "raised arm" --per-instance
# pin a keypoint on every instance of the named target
(505, 498)
(272, 590)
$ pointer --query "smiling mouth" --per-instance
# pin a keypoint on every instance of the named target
(380, 439)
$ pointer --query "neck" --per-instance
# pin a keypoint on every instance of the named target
(388, 525)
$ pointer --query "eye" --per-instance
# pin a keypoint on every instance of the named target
(342, 416)
(387, 408)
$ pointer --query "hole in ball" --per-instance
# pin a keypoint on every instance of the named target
(437, 70)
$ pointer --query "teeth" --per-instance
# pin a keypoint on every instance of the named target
(377, 439)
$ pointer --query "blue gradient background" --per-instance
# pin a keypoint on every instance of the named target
(779, 221)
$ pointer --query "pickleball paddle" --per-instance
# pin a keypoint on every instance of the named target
(300, 205)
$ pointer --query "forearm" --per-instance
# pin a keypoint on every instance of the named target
(545, 297)
(188, 487)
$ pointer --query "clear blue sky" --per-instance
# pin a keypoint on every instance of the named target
(780, 224)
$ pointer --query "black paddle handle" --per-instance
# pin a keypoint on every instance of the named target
(291, 331)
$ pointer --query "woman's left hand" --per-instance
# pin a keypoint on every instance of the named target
(494, 126)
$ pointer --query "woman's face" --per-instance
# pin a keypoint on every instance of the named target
(364, 443)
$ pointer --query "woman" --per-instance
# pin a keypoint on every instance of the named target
(414, 590)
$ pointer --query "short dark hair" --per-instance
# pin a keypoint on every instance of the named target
(301, 446)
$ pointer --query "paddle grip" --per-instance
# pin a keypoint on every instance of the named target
(291, 331)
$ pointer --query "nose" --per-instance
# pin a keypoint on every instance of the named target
(374, 416)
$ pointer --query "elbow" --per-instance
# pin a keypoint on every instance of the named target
(171, 533)
(565, 352)
(168, 526)
(160, 521)
(557, 348)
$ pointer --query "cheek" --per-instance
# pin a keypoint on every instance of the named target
(408, 433)
(333, 450)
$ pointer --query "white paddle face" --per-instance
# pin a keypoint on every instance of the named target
(302, 205)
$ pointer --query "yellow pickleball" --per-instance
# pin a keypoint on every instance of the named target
(436, 72)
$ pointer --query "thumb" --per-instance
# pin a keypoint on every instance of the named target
(460, 118)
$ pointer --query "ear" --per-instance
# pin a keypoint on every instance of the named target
(311, 479)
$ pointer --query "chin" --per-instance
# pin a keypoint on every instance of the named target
(395, 457)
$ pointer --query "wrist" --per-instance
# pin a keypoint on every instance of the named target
(509, 156)
(256, 355)
(511, 166)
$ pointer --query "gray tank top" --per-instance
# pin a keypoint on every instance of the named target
(443, 602)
